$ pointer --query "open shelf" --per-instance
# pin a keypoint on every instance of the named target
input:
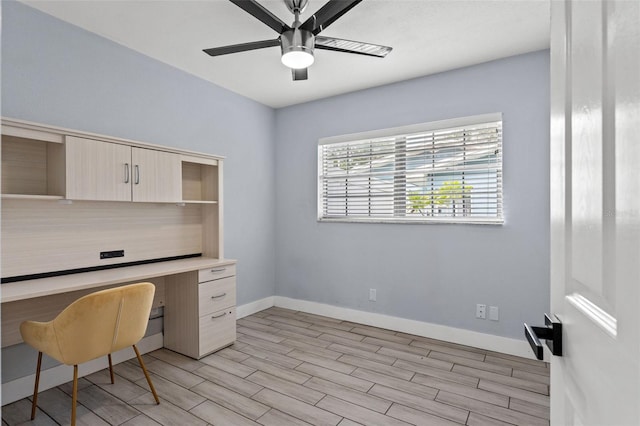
(32, 167)
(199, 182)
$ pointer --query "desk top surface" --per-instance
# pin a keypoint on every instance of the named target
(28, 289)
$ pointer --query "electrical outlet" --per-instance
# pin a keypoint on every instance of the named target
(481, 311)
(494, 314)
(372, 294)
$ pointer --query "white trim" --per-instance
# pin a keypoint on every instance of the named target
(55, 376)
(253, 307)
(435, 331)
(413, 128)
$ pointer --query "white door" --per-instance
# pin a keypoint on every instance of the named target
(595, 211)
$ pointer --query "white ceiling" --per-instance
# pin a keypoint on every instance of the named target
(427, 36)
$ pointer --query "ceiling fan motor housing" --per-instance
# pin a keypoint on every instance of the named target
(296, 5)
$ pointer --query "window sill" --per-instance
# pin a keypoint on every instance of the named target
(417, 221)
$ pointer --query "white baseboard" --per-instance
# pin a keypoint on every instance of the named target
(55, 376)
(253, 307)
(435, 331)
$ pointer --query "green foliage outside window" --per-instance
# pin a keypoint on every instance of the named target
(448, 193)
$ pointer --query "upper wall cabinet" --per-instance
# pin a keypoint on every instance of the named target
(61, 164)
(103, 171)
(156, 176)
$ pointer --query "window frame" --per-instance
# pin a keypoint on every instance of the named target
(405, 130)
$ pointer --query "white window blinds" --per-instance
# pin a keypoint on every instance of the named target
(448, 171)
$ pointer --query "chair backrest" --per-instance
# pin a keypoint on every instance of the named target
(103, 322)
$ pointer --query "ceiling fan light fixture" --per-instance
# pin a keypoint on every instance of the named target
(297, 48)
(297, 59)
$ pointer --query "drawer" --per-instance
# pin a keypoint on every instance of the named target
(216, 295)
(216, 272)
(217, 330)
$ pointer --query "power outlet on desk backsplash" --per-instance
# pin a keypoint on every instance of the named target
(111, 254)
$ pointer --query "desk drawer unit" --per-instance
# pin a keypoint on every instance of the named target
(200, 312)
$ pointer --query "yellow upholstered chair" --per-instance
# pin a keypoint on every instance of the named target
(93, 326)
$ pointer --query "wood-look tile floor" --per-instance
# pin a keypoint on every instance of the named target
(293, 368)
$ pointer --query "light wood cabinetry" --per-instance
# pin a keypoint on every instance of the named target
(200, 310)
(69, 197)
(103, 171)
(41, 164)
(51, 163)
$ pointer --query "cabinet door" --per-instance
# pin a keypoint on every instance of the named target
(97, 170)
(156, 176)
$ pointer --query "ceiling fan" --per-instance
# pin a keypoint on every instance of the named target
(298, 41)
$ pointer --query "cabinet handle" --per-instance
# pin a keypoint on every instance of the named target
(137, 174)
(126, 172)
(218, 270)
(219, 316)
(219, 296)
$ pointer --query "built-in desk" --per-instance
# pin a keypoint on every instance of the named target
(88, 280)
(69, 198)
(198, 295)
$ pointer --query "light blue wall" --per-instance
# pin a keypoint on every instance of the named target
(59, 74)
(433, 273)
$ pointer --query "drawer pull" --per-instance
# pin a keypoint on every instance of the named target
(137, 170)
(219, 316)
(219, 296)
(218, 270)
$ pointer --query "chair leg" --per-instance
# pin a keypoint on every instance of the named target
(111, 369)
(74, 395)
(144, 370)
(35, 387)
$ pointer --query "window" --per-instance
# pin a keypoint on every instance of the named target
(445, 171)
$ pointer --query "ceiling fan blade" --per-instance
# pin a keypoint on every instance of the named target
(254, 8)
(328, 14)
(243, 47)
(299, 74)
(350, 46)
